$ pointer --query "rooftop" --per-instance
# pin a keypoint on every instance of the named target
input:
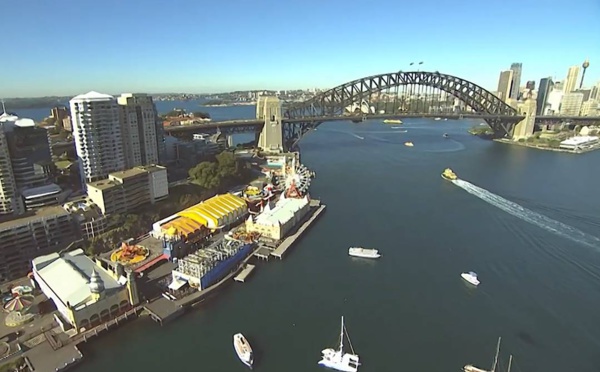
(152, 168)
(128, 173)
(33, 216)
(68, 275)
(93, 96)
(103, 184)
(41, 191)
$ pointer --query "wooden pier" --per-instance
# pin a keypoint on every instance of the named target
(241, 277)
(263, 253)
(287, 242)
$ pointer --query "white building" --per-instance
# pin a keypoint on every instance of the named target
(590, 108)
(572, 79)
(276, 222)
(579, 142)
(84, 293)
(9, 199)
(141, 132)
(553, 102)
(97, 134)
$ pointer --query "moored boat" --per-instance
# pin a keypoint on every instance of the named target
(472, 368)
(392, 121)
(337, 359)
(363, 252)
(470, 277)
(449, 175)
(243, 349)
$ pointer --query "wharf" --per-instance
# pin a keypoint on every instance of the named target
(241, 277)
(287, 242)
(263, 253)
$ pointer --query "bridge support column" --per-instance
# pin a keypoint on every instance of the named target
(229, 141)
(525, 127)
(270, 139)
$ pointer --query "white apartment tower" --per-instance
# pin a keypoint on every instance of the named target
(571, 104)
(97, 134)
(139, 121)
(9, 199)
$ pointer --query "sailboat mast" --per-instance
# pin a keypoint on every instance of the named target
(342, 335)
(496, 357)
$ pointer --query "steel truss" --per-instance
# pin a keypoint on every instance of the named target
(500, 116)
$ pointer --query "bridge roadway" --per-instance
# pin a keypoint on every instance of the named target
(253, 125)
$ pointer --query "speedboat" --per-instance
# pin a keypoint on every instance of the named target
(243, 349)
(449, 175)
(445, 135)
(470, 277)
(337, 359)
(363, 252)
(409, 144)
(392, 121)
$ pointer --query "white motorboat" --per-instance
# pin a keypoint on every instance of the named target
(243, 349)
(363, 252)
(472, 368)
(337, 359)
(470, 277)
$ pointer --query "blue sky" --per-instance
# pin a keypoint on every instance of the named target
(66, 47)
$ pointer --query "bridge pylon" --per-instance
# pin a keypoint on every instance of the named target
(270, 139)
(525, 127)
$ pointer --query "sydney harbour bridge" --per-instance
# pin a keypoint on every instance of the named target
(396, 95)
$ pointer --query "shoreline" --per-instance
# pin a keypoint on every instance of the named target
(546, 148)
(49, 356)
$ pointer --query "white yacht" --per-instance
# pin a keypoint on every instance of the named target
(363, 252)
(337, 359)
(472, 368)
(470, 277)
(243, 349)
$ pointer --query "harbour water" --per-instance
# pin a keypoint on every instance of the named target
(409, 311)
(528, 227)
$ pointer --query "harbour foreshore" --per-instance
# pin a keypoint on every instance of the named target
(52, 356)
(546, 148)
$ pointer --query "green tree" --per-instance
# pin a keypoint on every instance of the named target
(206, 175)
(201, 115)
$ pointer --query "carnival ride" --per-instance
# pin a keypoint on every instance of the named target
(129, 254)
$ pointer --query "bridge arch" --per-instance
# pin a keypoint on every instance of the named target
(499, 115)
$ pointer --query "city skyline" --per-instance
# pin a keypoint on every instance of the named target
(121, 47)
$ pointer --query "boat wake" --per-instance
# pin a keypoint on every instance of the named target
(530, 216)
(357, 136)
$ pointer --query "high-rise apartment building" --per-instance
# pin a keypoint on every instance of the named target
(97, 134)
(544, 90)
(571, 104)
(9, 200)
(504, 84)
(515, 89)
(141, 130)
(571, 81)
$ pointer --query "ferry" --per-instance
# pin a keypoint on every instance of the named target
(449, 175)
(363, 252)
(409, 144)
(243, 349)
(392, 121)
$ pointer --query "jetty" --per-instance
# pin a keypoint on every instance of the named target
(241, 277)
(317, 210)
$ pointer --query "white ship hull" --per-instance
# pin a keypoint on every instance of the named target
(470, 279)
(243, 349)
(363, 253)
(334, 359)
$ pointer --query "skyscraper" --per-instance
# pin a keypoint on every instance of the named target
(545, 87)
(9, 200)
(141, 130)
(97, 134)
(516, 80)
(571, 80)
(504, 84)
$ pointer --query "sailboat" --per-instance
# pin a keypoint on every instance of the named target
(471, 368)
(337, 359)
